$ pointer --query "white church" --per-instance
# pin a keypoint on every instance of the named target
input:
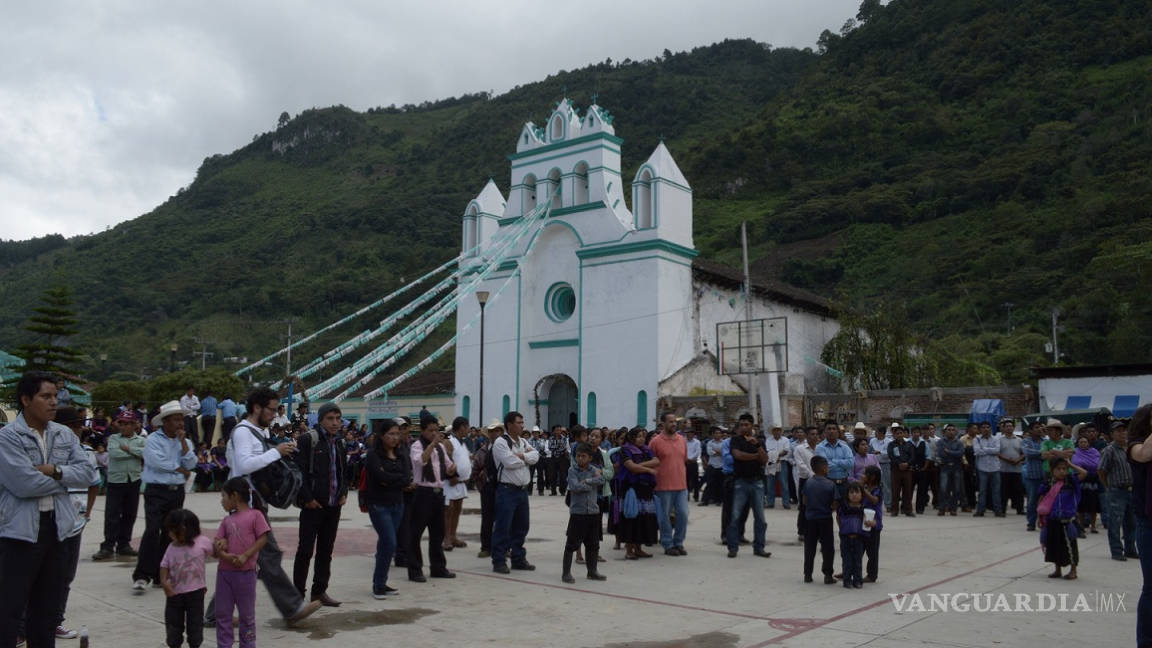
(612, 311)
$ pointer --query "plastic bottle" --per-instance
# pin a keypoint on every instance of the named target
(83, 636)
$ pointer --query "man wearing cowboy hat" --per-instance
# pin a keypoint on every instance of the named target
(168, 461)
(1056, 446)
(125, 461)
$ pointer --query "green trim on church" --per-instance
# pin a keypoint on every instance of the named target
(639, 246)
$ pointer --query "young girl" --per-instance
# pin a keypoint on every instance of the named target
(1057, 516)
(874, 500)
(182, 576)
(241, 536)
(853, 531)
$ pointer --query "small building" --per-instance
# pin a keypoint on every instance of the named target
(1119, 387)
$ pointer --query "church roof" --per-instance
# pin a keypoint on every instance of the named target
(772, 289)
(664, 166)
(491, 201)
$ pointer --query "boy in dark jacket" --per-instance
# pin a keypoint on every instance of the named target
(321, 458)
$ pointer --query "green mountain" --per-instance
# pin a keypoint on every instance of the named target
(964, 167)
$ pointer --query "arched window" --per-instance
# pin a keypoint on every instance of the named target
(644, 211)
(641, 408)
(557, 128)
(580, 190)
(555, 188)
(466, 407)
(529, 190)
(506, 404)
(591, 409)
(471, 229)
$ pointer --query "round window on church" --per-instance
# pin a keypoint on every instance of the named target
(560, 302)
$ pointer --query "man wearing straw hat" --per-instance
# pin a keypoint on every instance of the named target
(1056, 446)
(169, 458)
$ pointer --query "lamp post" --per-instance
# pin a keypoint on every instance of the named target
(482, 297)
(172, 358)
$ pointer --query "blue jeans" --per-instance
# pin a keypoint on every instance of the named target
(510, 526)
(785, 480)
(1121, 518)
(1032, 489)
(672, 501)
(989, 491)
(1144, 607)
(386, 520)
(951, 487)
(748, 492)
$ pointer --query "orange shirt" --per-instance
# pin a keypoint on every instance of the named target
(672, 453)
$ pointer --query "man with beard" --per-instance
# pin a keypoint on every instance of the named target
(248, 455)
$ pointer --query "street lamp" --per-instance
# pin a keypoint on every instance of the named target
(172, 358)
(482, 297)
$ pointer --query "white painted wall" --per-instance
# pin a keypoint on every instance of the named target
(1103, 389)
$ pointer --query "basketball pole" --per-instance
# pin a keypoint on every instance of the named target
(753, 382)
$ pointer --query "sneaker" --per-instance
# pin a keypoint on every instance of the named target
(379, 596)
(140, 585)
(306, 610)
(391, 591)
(66, 633)
(102, 555)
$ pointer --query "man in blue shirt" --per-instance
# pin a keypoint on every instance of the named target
(1032, 447)
(168, 461)
(728, 468)
(839, 457)
(208, 407)
(228, 418)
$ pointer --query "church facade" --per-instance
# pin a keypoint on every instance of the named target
(611, 309)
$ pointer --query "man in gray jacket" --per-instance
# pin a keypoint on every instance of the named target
(39, 461)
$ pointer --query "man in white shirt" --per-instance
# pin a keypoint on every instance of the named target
(190, 405)
(878, 446)
(246, 455)
(692, 464)
(512, 454)
(777, 446)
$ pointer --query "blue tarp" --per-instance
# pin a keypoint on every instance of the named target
(986, 410)
(1078, 402)
(1125, 406)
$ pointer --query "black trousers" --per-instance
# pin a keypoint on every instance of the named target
(401, 557)
(819, 531)
(120, 505)
(427, 513)
(209, 425)
(32, 572)
(713, 485)
(801, 527)
(726, 510)
(317, 532)
(536, 474)
(1011, 489)
(872, 550)
(582, 530)
(920, 479)
(488, 514)
(192, 429)
(692, 472)
(971, 483)
(159, 501)
(226, 425)
(185, 612)
(558, 474)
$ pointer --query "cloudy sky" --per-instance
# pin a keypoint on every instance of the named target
(108, 107)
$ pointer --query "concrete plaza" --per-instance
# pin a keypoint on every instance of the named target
(701, 600)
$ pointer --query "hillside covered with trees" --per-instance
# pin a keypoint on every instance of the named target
(962, 168)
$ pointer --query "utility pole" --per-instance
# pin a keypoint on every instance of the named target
(288, 362)
(203, 353)
(753, 382)
(1055, 342)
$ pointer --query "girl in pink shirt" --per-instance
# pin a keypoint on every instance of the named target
(182, 576)
(238, 541)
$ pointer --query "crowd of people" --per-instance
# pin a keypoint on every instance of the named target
(411, 478)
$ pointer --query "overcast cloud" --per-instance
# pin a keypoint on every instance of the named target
(107, 108)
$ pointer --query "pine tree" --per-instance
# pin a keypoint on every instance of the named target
(52, 324)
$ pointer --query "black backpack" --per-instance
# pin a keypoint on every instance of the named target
(279, 482)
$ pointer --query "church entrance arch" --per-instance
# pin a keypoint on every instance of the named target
(557, 401)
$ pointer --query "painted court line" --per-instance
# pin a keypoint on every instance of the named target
(823, 622)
